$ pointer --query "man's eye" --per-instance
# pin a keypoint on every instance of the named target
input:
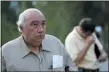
(43, 23)
(35, 24)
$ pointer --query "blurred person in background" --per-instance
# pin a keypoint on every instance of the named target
(34, 50)
(98, 31)
(81, 44)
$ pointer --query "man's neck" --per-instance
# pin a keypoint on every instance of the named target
(31, 47)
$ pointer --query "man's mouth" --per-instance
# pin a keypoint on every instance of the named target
(40, 36)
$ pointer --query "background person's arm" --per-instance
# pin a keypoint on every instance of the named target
(82, 53)
(103, 57)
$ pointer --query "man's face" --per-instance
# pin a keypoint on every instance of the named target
(86, 34)
(34, 29)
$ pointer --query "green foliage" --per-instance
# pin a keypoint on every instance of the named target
(9, 31)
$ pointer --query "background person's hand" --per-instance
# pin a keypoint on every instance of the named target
(89, 40)
(103, 57)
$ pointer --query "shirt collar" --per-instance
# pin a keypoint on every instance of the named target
(45, 44)
(25, 50)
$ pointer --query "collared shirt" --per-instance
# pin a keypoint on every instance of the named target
(74, 43)
(16, 56)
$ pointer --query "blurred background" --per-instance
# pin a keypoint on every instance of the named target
(61, 17)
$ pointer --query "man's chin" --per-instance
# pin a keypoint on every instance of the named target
(36, 45)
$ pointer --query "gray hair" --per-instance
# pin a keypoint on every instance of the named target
(20, 21)
(21, 18)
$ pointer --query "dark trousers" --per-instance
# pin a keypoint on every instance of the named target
(87, 70)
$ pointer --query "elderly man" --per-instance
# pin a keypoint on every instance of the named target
(33, 50)
(80, 44)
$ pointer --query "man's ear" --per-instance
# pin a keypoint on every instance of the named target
(21, 28)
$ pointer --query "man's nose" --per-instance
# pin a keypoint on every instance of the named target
(40, 29)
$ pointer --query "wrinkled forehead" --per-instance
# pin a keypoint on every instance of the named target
(34, 16)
